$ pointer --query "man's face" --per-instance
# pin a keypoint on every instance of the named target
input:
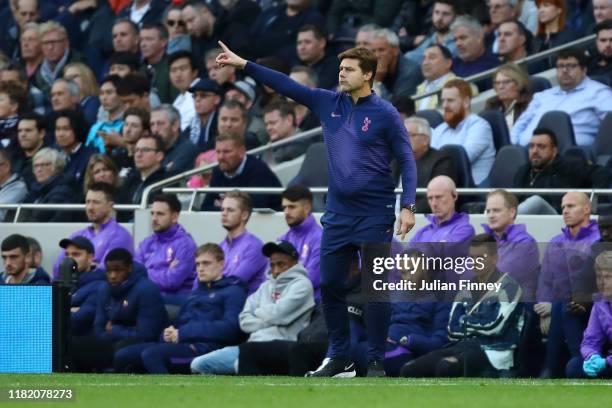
(43, 169)
(499, 11)
(54, 46)
(575, 209)
(499, 216)
(280, 263)
(82, 258)
(510, 39)
(602, 10)
(277, 126)
(5, 170)
(229, 155)
(117, 272)
(296, 211)
(160, 124)
(7, 107)
(31, 44)
(434, 64)
(363, 39)
(14, 261)
(195, 21)
(64, 134)
(121, 70)
(418, 140)
(232, 216)
(97, 207)
(27, 11)
(220, 74)
(441, 200)
(442, 17)
(541, 151)
(146, 155)
(569, 73)
(234, 94)
(61, 98)
(109, 99)
(604, 283)
(182, 74)
(483, 252)
(162, 217)
(231, 121)
(604, 43)
(350, 76)
(151, 43)
(124, 38)
(208, 268)
(454, 105)
(386, 54)
(469, 45)
(205, 102)
(310, 49)
(136, 101)
(132, 129)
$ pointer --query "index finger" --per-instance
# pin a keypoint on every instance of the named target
(223, 46)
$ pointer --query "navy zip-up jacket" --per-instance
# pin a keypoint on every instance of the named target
(86, 299)
(361, 140)
(135, 308)
(211, 313)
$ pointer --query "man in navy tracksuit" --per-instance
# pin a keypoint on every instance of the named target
(207, 321)
(362, 133)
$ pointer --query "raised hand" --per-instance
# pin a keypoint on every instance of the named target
(228, 57)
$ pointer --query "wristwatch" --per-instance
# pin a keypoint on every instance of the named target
(410, 207)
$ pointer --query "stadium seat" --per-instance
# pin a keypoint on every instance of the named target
(431, 115)
(501, 134)
(462, 161)
(583, 153)
(507, 161)
(602, 140)
(538, 84)
(313, 173)
(560, 123)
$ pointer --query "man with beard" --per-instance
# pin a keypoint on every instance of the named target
(600, 64)
(169, 253)
(304, 232)
(243, 256)
(104, 232)
(442, 16)
(31, 138)
(464, 128)
(15, 249)
(548, 169)
(179, 152)
(237, 169)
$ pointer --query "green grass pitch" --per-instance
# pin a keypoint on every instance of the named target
(137, 391)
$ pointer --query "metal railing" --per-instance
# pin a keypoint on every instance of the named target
(58, 207)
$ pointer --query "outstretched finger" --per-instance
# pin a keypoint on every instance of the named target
(223, 46)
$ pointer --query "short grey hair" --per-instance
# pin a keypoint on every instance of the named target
(421, 124)
(171, 112)
(311, 74)
(51, 26)
(31, 26)
(55, 157)
(368, 28)
(388, 35)
(470, 23)
(73, 87)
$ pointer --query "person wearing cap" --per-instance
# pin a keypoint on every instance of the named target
(244, 92)
(84, 299)
(169, 253)
(207, 321)
(130, 310)
(183, 75)
(595, 359)
(104, 232)
(304, 232)
(203, 127)
(15, 250)
(278, 310)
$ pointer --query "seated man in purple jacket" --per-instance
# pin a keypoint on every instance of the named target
(516, 248)
(595, 360)
(562, 318)
(104, 232)
(304, 232)
(169, 253)
(243, 256)
(207, 321)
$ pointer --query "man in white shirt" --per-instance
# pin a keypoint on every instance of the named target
(183, 75)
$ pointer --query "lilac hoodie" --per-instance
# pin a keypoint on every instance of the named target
(518, 256)
(244, 259)
(306, 238)
(169, 257)
(456, 229)
(563, 261)
(598, 334)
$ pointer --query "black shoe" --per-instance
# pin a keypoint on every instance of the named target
(337, 368)
(376, 369)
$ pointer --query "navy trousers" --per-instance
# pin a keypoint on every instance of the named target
(155, 358)
(574, 370)
(564, 337)
(343, 237)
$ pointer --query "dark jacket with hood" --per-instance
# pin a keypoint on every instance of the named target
(86, 299)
